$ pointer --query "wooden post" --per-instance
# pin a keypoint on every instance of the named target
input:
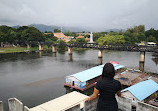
(69, 50)
(53, 49)
(26, 108)
(100, 53)
(1, 106)
(15, 105)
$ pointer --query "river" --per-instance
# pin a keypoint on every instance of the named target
(35, 78)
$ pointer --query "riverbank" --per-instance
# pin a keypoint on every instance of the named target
(20, 49)
(25, 49)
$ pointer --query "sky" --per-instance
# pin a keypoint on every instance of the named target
(91, 14)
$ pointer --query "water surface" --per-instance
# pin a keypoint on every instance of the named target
(35, 78)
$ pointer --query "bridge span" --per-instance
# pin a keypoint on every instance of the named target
(120, 47)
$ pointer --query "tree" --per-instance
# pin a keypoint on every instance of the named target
(68, 33)
(71, 41)
(140, 28)
(151, 39)
(81, 40)
(50, 38)
(32, 34)
(152, 32)
(57, 31)
(111, 39)
(62, 44)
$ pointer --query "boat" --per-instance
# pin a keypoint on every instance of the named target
(86, 79)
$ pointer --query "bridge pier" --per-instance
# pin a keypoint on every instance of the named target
(100, 53)
(40, 47)
(142, 57)
(54, 50)
(28, 46)
(1, 106)
(69, 50)
(141, 61)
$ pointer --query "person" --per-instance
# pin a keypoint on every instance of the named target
(106, 88)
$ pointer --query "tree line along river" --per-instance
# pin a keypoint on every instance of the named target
(35, 78)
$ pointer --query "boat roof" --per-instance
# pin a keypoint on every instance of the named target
(143, 89)
(92, 72)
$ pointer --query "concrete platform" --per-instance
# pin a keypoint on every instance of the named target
(62, 103)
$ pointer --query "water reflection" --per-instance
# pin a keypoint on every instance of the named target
(35, 80)
(54, 54)
(70, 58)
(80, 52)
(61, 51)
(100, 61)
(141, 66)
(40, 53)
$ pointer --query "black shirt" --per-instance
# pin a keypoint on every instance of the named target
(107, 89)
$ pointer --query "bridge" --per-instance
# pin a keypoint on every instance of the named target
(120, 47)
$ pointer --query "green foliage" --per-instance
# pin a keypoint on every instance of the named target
(152, 32)
(57, 31)
(81, 40)
(151, 39)
(32, 34)
(50, 38)
(111, 39)
(72, 34)
(96, 36)
(61, 46)
(71, 41)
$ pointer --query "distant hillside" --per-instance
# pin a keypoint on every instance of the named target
(44, 28)
(115, 30)
(51, 28)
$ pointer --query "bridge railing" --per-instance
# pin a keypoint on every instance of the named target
(122, 47)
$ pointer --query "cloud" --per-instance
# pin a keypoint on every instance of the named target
(93, 14)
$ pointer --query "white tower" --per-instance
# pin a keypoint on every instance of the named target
(91, 38)
(61, 33)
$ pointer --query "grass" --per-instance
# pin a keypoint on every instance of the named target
(21, 49)
(16, 49)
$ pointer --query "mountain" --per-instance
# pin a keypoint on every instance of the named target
(44, 28)
(51, 28)
(115, 30)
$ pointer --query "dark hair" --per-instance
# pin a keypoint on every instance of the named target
(108, 71)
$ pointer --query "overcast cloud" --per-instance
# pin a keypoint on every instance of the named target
(93, 14)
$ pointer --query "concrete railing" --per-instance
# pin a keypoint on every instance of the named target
(74, 108)
(16, 105)
(145, 107)
(124, 104)
(91, 105)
